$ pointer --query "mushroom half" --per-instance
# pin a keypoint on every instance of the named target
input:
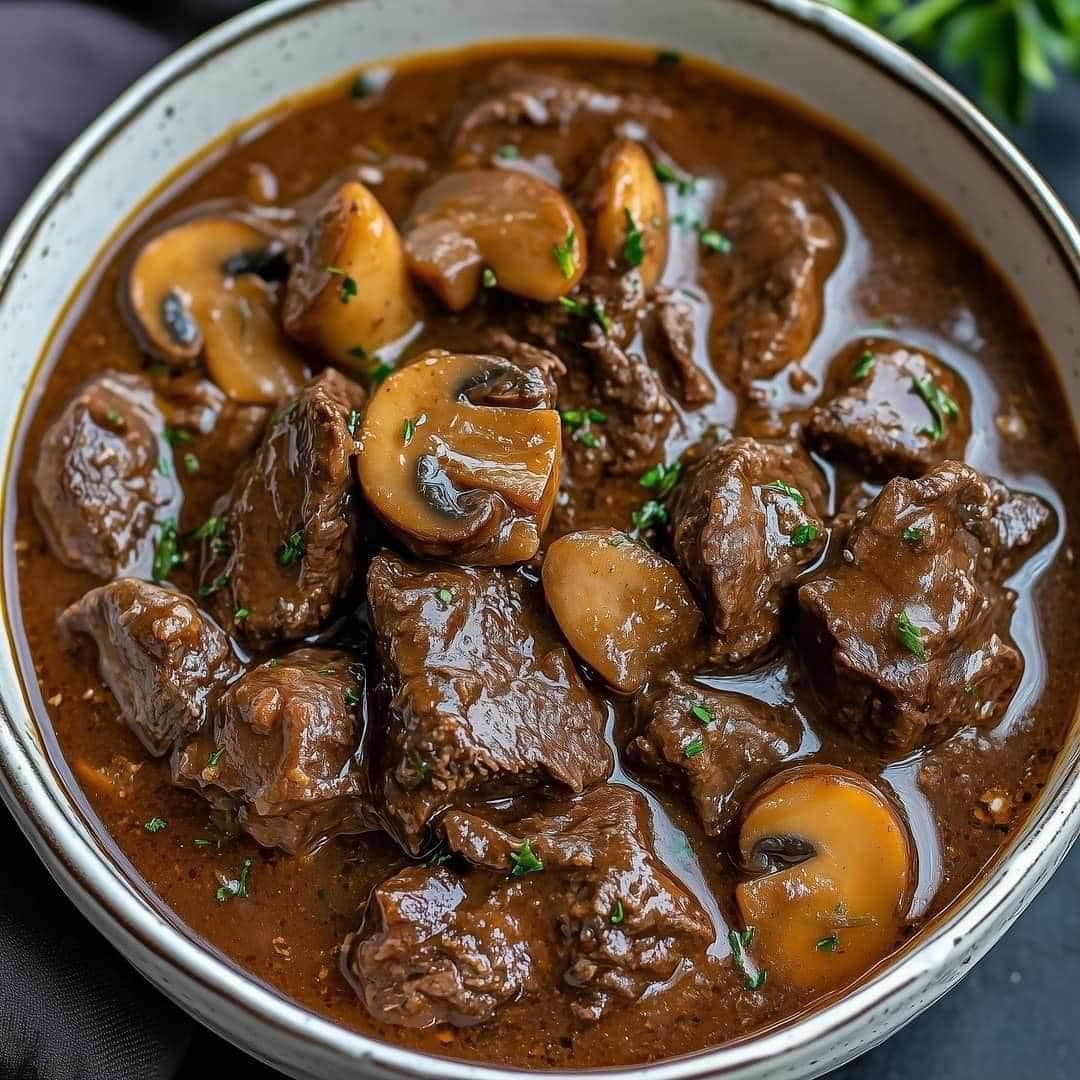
(833, 866)
(460, 457)
(204, 292)
(522, 230)
(623, 608)
(349, 292)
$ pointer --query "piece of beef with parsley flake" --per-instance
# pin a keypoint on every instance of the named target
(480, 693)
(285, 751)
(280, 553)
(719, 744)
(165, 661)
(907, 635)
(745, 522)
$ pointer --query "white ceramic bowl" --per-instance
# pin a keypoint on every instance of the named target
(805, 50)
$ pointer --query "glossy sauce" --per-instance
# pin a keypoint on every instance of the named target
(904, 273)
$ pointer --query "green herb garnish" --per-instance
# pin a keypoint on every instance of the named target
(191, 464)
(701, 714)
(168, 554)
(352, 698)
(293, 549)
(214, 586)
(409, 426)
(353, 422)
(648, 514)
(564, 255)
(593, 310)
(739, 944)
(211, 528)
(912, 534)
(155, 825)
(634, 244)
(942, 407)
(667, 175)
(114, 417)
(715, 241)
(863, 366)
(349, 288)
(828, 944)
(174, 436)
(445, 596)
(910, 635)
(237, 888)
(215, 757)
(240, 614)
(617, 913)
(785, 489)
(524, 861)
(661, 478)
(507, 152)
(488, 279)
(694, 747)
(804, 534)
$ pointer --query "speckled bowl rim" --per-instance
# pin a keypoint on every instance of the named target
(280, 1031)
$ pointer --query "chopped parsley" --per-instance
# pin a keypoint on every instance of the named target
(352, 698)
(912, 534)
(701, 714)
(524, 861)
(214, 586)
(786, 489)
(863, 366)
(293, 550)
(739, 944)
(617, 915)
(634, 244)
(215, 757)
(155, 825)
(445, 596)
(694, 747)
(353, 422)
(409, 426)
(593, 310)
(191, 464)
(667, 175)
(419, 764)
(211, 529)
(113, 417)
(507, 152)
(202, 842)
(648, 514)
(163, 466)
(240, 614)
(168, 554)
(564, 255)
(942, 407)
(828, 944)
(668, 58)
(239, 887)
(349, 288)
(661, 478)
(488, 279)
(715, 241)
(438, 856)
(579, 422)
(910, 635)
(804, 534)
(173, 436)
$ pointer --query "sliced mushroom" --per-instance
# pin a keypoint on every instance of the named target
(349, 292)
(623, 608)
(523, 230)
(460, 457)
(196, 292)
(630, 225)
(836, 866)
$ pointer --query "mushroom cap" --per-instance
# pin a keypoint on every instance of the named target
(629, 196)
(349, 292)
(623, 608)
(836, 865)
(460, 458)
(508, 221)
(194, 295)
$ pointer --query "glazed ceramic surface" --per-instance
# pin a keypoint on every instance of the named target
(806, 51)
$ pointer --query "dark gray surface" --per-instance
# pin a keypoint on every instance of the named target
(1015, 1015)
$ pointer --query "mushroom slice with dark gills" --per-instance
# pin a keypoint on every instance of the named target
(833, 868)
(521, 229)
(196, 294)
(279, 553)
(104, 481)
(349, 292)
(480, 695)
(460, 458)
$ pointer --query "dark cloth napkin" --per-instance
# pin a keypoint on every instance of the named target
(72, 1009)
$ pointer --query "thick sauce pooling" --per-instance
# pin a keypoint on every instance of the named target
(553, 559)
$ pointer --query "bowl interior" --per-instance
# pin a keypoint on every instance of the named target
(215, 87)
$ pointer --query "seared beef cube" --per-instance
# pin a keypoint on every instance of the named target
(895, 411)
(283, 552)
(619, 924)
(286, 750)
(166, 663)
(430, 953)
(1019, 522)
(745, 522)
(104, 478)
(783, 247)
(482, 696)
(675, 319)
(908, 636)
(721, 744)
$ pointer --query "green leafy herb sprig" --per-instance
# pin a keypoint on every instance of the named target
(1015, 46)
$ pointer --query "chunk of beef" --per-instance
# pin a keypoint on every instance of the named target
(908, 636)
(104, 478)
(619, 924)
(745, 523)
(879, 418)
(430, 953)
(194, 404)
(675, 318)
(286, 751)
(1019, 523)
(285, 549)
(166, 663)
(720, 744)
(482, 697)
(784, 246)
(528, 358)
